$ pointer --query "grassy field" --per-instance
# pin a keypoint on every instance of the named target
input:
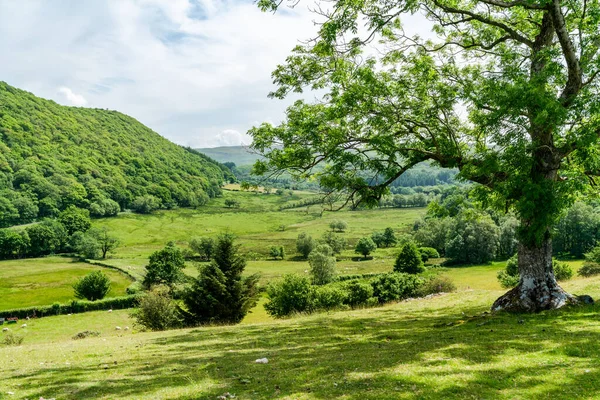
(437, 348)
(44, 281)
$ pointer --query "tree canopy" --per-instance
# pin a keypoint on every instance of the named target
(507, 93)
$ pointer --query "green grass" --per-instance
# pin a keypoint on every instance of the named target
(44, 281)
(439, 348)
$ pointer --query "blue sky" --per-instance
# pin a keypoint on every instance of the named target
(195, 71)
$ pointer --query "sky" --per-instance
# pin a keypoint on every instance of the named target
(196, 71)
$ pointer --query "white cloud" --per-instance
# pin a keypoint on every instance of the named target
(72, 98)
(193, 70)
(230, 137)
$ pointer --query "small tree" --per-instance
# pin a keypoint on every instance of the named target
(106, 241)
(365, 246)
(220, 293)
(145, 204)
(84, 245)
(305, 244)
(204, 247)
(274, 252)
(322, 265)
(389, 237)
(157, 311)
(336, 242)
(75, 220)
(165, 267)
(409, 260)
(338, 225)
(93, 286)
(232, 203)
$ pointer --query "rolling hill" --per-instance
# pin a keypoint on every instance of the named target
(239, 155)
(52, 156)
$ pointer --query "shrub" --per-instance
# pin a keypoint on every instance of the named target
(387, 238)
(85, 334)
(428, 252)
(204, 247)
(292, 294)
(10, 339)
(134, 288)
(329, 297)
(220, 293)
(165, 267)
(338, 225)
(509, 277)
(145, 204)
(322, 265)
(395, 286)
(409, 260)
(93, 286)
(589, 269)
(437, 284)
(305, 244)
(85, 245)
(277, 252)
(337, 242)
(562, 270)
(157, 311)
(232, 203)
(75, 220)
(365, 246)
(358, 293)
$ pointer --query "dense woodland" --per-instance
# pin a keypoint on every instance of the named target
(53, 157)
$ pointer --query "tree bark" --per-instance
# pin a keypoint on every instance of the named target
(537, 289)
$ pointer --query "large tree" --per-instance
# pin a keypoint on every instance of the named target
(507, 93)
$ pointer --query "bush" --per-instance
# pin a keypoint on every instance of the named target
(93, 286)
(562, 270)
(220, 293)
(387, 238)
(85, 245)
(85, 334)
(165, 267)
(589, 269)
(134, 288)
(157, 311)
(277, 252)
(322, 265)
(74, 307)
(365, 246)
(329, 297)
(10, 339)
(337, 242)
(75, 220)
(509, 277)
(204, 247)
(338, 225)
(305, 244)
(292, 294)
(395, 286)
(437, 284)
(232, 203)
(428, 252)
(358, 293)
(409, 260)
(145, 204)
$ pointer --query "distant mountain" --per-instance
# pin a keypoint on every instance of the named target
(52, 156)
(239, 155)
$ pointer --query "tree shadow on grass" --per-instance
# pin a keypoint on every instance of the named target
(381, 354)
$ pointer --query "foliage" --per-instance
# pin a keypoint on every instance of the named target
(322, 265)
(409, 260)
(165, 266)
(145, 204)
(507, 237)
(277, 252)
(292, 294)
(47, 237)
(84, 245)
(75, 220)
(106, 240)
(11, 339)
(85, 334)
(437, 284)
(387, 238)
(472, 238)
(157, 311)
(427, 253)
(433, 233)
(589, 268)
(562, 270)
(305, 244)
(338, 225)
(232, 203)
(329, 297)
(337, 243)
(53, 157)
(395, 286)
(365, 246)
(13, 244)
(577, 231)
(359, 293)
(220, 293)
(204, 247)
(93, 286)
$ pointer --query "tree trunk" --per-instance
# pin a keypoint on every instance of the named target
(537, 289)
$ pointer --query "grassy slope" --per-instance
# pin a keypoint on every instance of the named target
(419, 349)
(235, 154)
(44, 281)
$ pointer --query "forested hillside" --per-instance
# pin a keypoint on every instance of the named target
(52, 156)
